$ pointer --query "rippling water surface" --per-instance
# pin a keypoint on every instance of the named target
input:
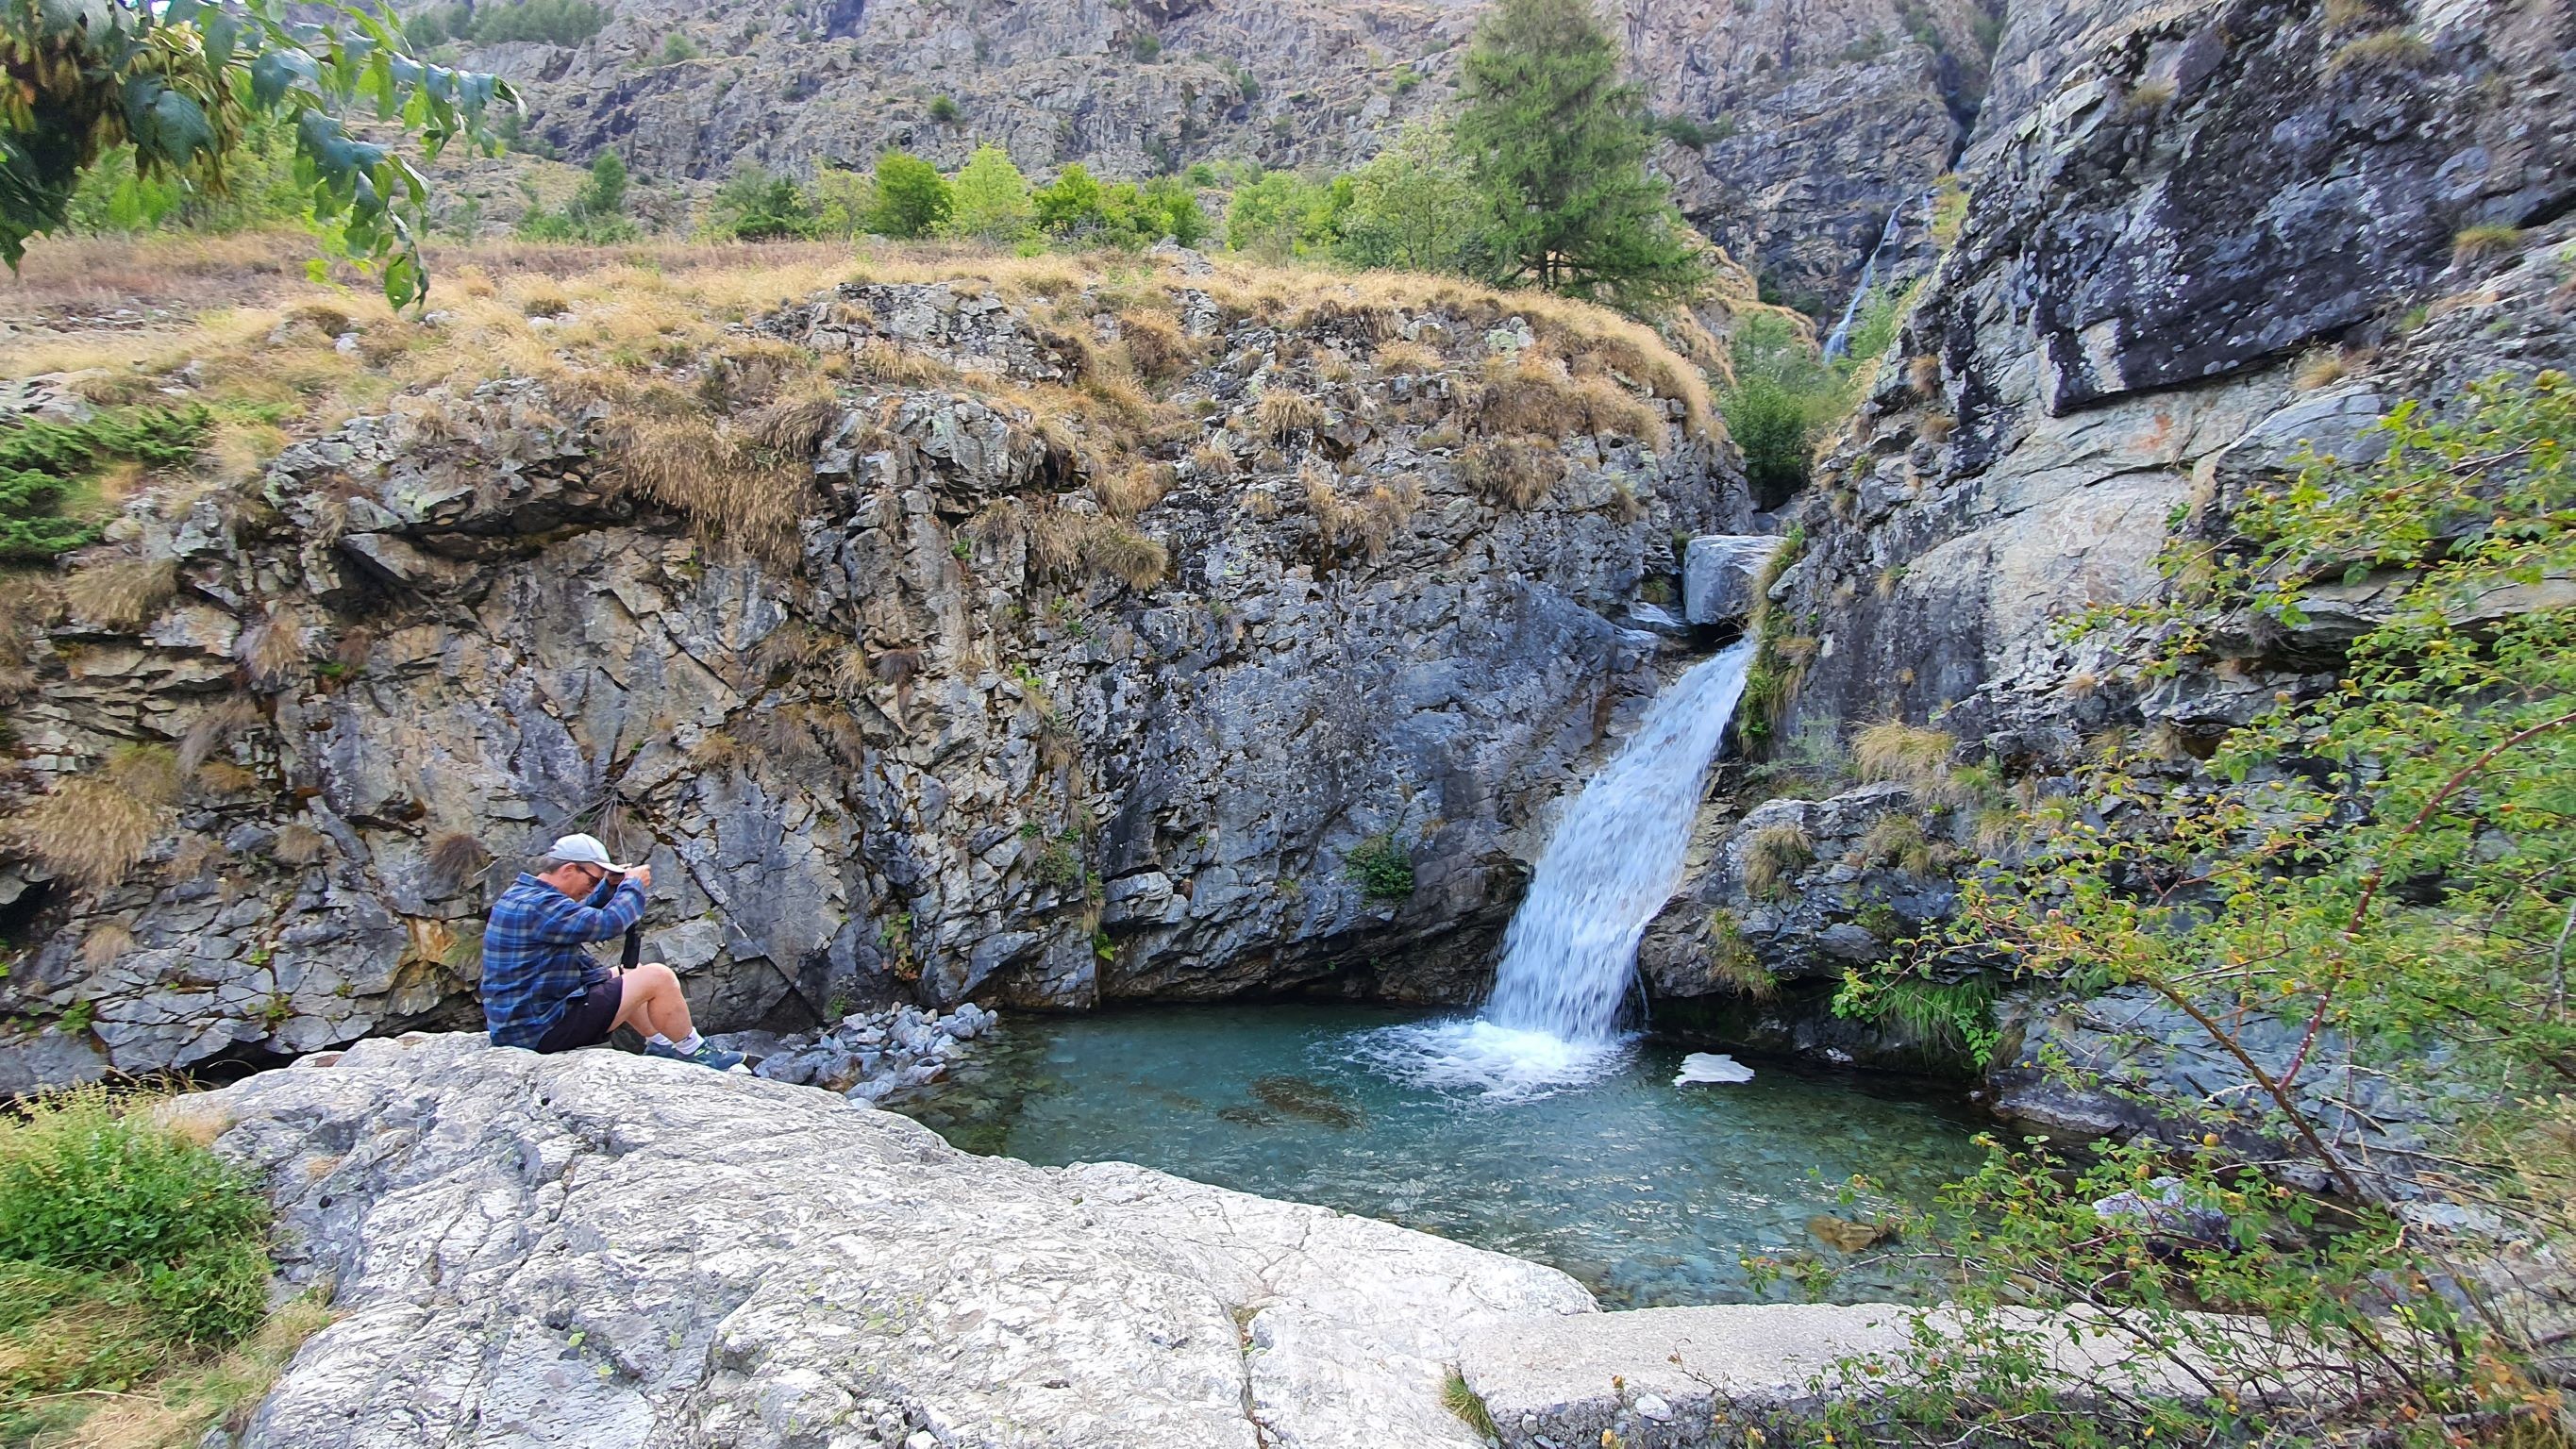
(1649, 1193)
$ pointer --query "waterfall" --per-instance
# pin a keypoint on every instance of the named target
(1840, 338)
(1571, 949)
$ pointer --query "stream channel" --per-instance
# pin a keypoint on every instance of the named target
(1545, 1126)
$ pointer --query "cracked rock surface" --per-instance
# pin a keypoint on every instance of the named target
(607, 1250)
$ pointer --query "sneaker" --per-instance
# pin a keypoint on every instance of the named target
(708, 1055)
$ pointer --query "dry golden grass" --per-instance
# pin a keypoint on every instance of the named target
(104, 943)
(1923, 374)
(1404, 358)
(149, 773)
(1110, 549)
(882, 359)
(1895, 750)
(1134, 489)
(1281, 415)
(715, 424)
(2488, 243)
(1156, 345)
(1897, 840)
(1213, 461)
(1513, 472)
(89, 830)
(794, 427)
(1936, 428)
(299, 844)
(702, 469)
(2323, 368)
(121, 593)
(1534, 395)
(455, 857)
(214, 726)
(1055, 536)
(1774, 856)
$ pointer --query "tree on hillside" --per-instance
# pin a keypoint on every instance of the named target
(912, 197)
(989, 198)
(1413, 207)
(1559, 144)
(1280, 216)
(178, 87)
(756, 205)
(596, 213)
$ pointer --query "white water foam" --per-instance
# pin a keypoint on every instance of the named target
(1571, 950)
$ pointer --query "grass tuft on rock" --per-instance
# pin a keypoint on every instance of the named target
(1467, 1404)
(1774, 856)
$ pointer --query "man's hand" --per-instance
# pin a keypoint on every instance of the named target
(642, 875)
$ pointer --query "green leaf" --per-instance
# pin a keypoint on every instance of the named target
(275, 72)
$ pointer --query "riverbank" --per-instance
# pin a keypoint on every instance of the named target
(624, 1252)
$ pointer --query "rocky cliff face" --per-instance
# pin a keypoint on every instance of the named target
(1805, 123)
(2212, 195)
(1274, 689)
(2199, 238)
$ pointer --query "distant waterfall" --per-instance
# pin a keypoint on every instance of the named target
(1839, 340)
(1571, 950)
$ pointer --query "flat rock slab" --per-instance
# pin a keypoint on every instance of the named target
(1550, 1383)
(605, 1250)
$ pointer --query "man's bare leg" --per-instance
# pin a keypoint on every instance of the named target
(652, 1003)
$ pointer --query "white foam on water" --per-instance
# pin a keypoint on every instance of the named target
(1571, 950)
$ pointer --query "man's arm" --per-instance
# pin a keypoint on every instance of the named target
(574, 924)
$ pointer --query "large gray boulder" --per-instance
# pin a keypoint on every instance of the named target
(605, 1250)
(1719, 571)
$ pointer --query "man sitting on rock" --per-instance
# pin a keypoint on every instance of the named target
(541, 990)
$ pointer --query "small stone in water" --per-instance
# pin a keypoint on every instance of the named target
(1711, 1067)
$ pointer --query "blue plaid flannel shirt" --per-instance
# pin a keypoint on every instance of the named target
(533, 961)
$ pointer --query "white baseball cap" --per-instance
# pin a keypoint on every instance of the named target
(585, 850)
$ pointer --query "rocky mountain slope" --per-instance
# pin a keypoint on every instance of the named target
(1041, 636)
(1806, 122)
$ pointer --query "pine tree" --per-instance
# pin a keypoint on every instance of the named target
(1559, 143)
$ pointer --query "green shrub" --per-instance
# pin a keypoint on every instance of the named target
(596, 214)
(756, 205)
(912, 198)
(1058, 867)
(678, 47)
(126, 1251)
(43, 464)
(1382, 867)
(943, 109)
(85, 1186)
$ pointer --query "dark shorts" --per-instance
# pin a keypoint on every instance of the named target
(586, 1019)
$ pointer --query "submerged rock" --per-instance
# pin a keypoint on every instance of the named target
(1704, 1068)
